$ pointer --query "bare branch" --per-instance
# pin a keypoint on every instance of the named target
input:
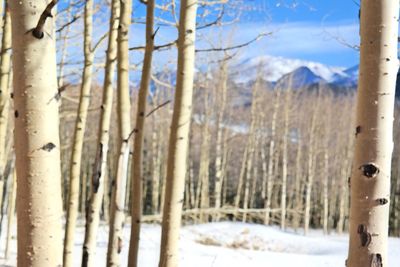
(102, 38)
(157, 47)
(38, 31)
(75, 18)
(157, 108)
(224, 49)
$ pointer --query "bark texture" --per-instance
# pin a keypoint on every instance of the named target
(124, 127)
(179, 136)
(80, 125)
(370, 178)
(37, 144)
(137, 178)
(100, 165)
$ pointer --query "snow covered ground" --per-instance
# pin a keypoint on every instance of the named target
(234, 244)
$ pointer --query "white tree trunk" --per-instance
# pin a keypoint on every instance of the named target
(37, 144)
(179, 136)
(80, 126)
(137, 183)
(370, 179)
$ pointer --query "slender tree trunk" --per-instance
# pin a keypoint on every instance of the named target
(155, 183)
(220, 137)
(10, 214)
(311, 157)
(179, 136)
(271, 156)
(326, 173)
(5, 68)
(241, 181)
(100, 165)
(205, 159)
(138, 138)
(370, 179)
(37, 145)
(80, 125)
(285, 156)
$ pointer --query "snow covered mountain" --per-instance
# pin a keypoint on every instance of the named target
(298, 78)
(277, 69)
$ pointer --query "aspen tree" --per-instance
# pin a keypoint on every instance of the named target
(100, 165)
(179, 136)
(311, 163)
(326, 159)
(124, 132)
(220, 137)
(271, 156)
(138, 138)
(285, 137)
(37, 145)
(370, 177)
(155, 183)
(80, 126)
(250, 148)
(204, 157)
(11, 213)
(5, 67)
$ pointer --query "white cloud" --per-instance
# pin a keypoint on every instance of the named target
(300, 38)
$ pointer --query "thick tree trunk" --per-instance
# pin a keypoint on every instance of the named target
(80, 126)
(37, 144)
(370, 178)
(179, 136)
(137, 178)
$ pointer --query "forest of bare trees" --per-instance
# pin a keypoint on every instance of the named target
(95, 131)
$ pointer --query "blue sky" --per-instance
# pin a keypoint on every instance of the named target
(308, 30)
(300, 29)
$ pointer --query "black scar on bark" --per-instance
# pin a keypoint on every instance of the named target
(369, 170)
(376, 260)
(382, 201)
(365, 237)
(358, 130)
(48, 147)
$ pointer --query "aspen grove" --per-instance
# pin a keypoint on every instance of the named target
(120, 115)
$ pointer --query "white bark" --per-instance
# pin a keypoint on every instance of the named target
(370, 179)
(37, 144)
(179, 136)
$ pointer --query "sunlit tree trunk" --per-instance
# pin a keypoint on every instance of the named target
(179, 136)
(37, 145)
(100, 166)
(5, 67)
(370, 178)
(80, 126)
(221, 96)
(138, 138)
(285, 155)
(271, 157)
(311, 163)
(11, 214)
(326, 159)
(204, 158)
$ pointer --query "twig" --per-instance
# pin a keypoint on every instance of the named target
(148, 114)
(157, 47)
(38, 31)
(216, 49)
(158, 107)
